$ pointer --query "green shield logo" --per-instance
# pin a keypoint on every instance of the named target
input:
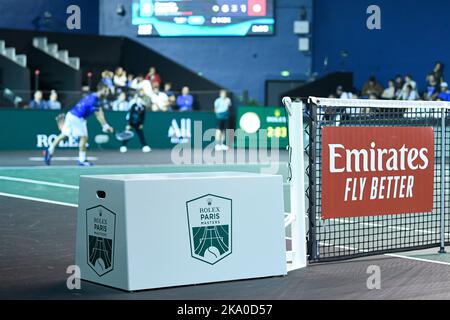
(101, 229)
(210, 227)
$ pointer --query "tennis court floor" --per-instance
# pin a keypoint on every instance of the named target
(37, 244)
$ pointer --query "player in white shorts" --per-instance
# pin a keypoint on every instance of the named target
(75, 124)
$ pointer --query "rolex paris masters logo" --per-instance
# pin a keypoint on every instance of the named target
(100, 226)
(210, 227)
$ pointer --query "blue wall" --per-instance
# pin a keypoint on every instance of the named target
(235, 63)
(414, 34)
(19, 14)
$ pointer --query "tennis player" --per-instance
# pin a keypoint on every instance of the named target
(75, 124)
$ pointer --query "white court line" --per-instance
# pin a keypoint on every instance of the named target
(386, 254)
(40, 159)
(414, 258)
(45, 183)
(38, 199)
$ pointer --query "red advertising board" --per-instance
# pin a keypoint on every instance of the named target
(368, 171)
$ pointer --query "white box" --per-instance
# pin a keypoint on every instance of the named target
(301, 27)
(162, 230)
(303, 44)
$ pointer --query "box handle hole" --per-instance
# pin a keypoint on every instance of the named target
(101, 194)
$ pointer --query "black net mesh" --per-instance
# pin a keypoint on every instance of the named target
(344, 238)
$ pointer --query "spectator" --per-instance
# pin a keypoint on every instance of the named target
(341, 94)
(409, 81)
(185, 100)
(329, 112)
(135, 82)
(170, 94)
(147, 86)
(221, 108)
(372, 87)
(130, 79)
(438, 72)
(432, 88)
(107, 79)
(409, 93)
(38, 102)
(138, 83)
(406, 91)
(444, 95)
(146, 100)
(389, 92)
(121, 103)
(153, 76)
(120, 78)
(53, 102)
(398, 85)
(160, 100)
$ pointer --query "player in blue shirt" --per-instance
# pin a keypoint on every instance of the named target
(75, 124)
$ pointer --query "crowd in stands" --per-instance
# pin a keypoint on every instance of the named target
(123, 87)
(402, 88)
(38, 101)
(149, 87)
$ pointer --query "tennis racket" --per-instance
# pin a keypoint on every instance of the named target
(124, 135)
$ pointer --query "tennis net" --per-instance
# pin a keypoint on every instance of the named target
(335, 232)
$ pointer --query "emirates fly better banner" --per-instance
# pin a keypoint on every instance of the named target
(369, 171)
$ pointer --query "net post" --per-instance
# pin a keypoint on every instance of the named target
(294, 111)
(313, 137)
(442, 246)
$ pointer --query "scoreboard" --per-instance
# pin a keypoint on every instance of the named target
(178, 18)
